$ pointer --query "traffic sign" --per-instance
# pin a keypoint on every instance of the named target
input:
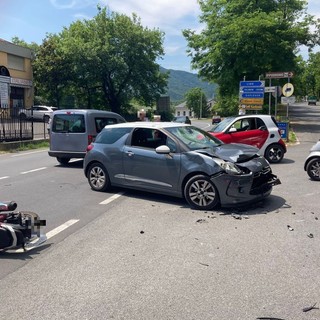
(252, 92)
(269, 89)
(279, 75)
(287, 89)
(251, 101)
(252, 95)
(252, 89)
(257, 83)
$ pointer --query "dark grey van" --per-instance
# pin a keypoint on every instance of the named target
(72, 130)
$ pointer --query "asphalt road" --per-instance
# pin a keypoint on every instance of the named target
(138, 256)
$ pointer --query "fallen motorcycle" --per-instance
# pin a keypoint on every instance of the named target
(312, 163)
(19, 229)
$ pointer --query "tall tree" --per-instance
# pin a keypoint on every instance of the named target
(51, 70)
(196, 101)
(116, 54)
(247, 38)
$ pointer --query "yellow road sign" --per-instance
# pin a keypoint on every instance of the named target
(288, 89)
(254, 101)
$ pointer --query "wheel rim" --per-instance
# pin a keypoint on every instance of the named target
(97, 178)
(275, 154)
(315, 169)
(202, 193)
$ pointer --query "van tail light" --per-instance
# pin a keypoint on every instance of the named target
(90, 138)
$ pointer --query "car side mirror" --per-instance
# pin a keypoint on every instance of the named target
(163, 149)
(231, 130)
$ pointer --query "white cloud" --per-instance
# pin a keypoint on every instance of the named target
(72, 4)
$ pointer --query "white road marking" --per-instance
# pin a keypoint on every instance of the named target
(34, 170)
(112, 198)
(5, 177)
(62, 227)
(27, 153)
(55, 231)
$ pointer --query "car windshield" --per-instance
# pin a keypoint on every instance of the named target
(194, 138)
(222, 125)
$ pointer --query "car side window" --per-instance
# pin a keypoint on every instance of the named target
(111, 135)
(151, 138)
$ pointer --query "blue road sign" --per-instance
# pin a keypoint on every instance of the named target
(252, 83)
(252, 95)
(252, 89)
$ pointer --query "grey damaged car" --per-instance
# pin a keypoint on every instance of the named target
(178, 160)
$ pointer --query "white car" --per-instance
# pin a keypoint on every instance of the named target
(260, 131)
(43, 113)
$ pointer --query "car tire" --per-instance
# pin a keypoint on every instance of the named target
(98, 177)
(63, 161)
(46, 118)
(274, 153)
(313, 169)
(201, 193)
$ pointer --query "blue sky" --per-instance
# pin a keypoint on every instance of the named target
(31, 20)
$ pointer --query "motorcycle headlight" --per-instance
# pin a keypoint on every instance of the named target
(230, 168)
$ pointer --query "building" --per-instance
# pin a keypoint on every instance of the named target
(182, 110)
(16, 85)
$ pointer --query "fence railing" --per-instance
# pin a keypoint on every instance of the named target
(16, 128)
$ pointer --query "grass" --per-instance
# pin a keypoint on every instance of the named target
(30, 146)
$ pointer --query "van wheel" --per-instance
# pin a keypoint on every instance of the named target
(98, 177)
(63, 161)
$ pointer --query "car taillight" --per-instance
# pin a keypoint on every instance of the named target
(89, 147)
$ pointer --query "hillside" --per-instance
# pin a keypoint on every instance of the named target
(181, 81)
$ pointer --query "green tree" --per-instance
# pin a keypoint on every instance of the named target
(243, 39)
(51, 70)
(114, 55)
(196, 101)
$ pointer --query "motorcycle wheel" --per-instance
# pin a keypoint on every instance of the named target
(313, 169)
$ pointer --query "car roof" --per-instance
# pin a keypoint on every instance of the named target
(149, 125)
(262, 116)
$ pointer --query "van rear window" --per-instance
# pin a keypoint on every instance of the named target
(68, 123)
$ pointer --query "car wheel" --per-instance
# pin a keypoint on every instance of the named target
(274, 153)
(313, 169)
(98, 177)
(63, 161)
(46, 118)
(201, 193)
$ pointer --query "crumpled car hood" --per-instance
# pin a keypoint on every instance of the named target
(233, 152)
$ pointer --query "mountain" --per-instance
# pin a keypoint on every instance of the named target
(180, 82)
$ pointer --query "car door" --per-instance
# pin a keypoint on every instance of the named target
(146, 169)
(249, 130)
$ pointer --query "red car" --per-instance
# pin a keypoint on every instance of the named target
(260, 131)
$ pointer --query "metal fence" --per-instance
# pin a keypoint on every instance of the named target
(13, 128)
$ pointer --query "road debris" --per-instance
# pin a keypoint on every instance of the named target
(290, 228)
(310, 235)
(306, 309)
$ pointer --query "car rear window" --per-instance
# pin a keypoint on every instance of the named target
(111, 135)
(68, 123)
